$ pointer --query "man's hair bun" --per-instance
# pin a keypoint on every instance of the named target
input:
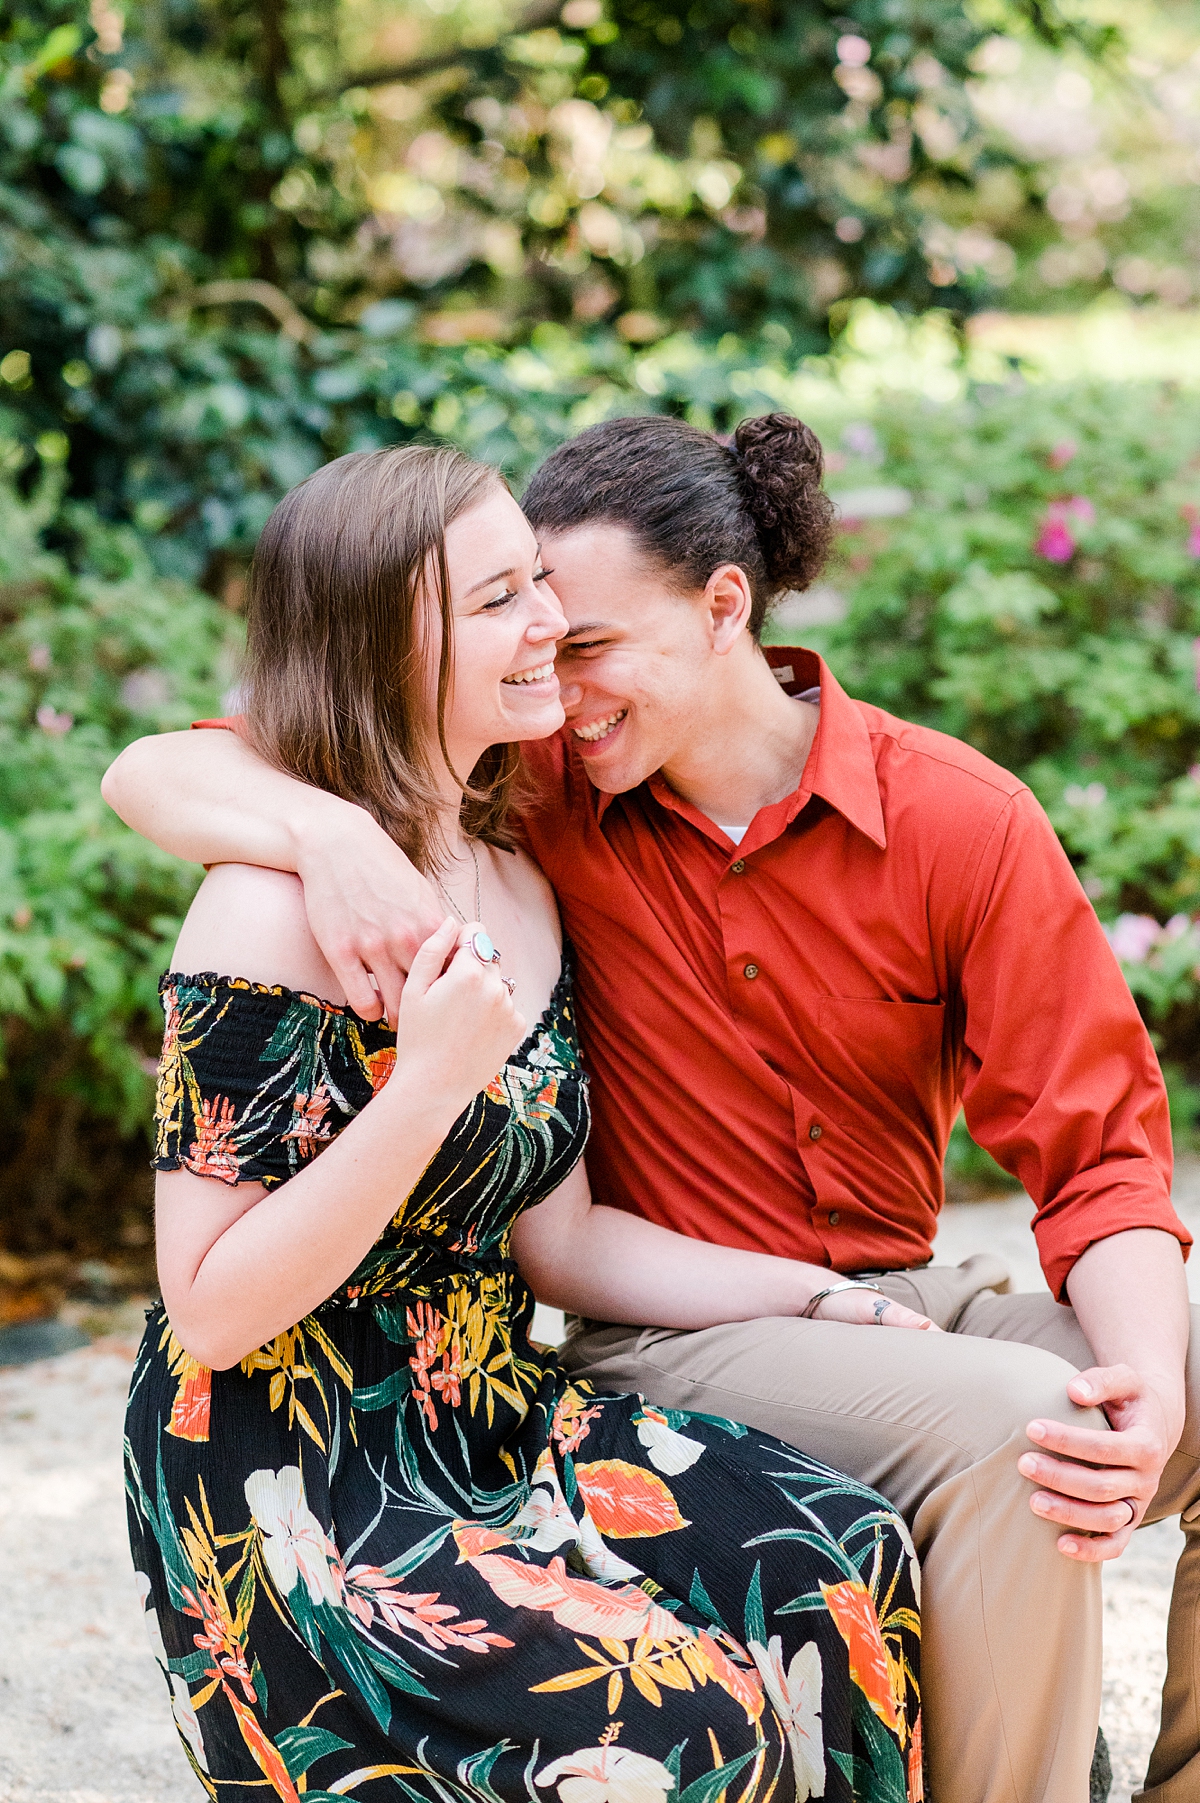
(780, 464)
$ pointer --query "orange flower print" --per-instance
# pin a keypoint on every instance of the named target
(854, 1615)
(380, 1066)
(309, 1126)
(219, 1639)
(265, 1753)
(569, 1427)
(370, 1591)
(429, 1336)
(214, 1152)
(192, 1408)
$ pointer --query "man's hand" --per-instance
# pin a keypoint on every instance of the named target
(1088, 1479)
(370, 910)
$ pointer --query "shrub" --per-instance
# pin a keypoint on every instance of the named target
(95, 649)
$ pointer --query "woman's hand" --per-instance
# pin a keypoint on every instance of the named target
(857, 1309)
(457, 1021)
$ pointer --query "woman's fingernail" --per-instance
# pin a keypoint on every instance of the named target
(1069, 1546)
(1085, 1389)
(1036, 1430)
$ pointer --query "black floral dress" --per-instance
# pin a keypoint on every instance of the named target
(395, 1553)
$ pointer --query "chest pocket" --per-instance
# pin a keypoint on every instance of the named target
(894, 1049)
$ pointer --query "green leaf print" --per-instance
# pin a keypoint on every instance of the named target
(756, 1627)
(302, 1747)
(708, 1788)
(882, 1779)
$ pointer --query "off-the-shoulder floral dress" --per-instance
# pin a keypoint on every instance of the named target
(395, 1553)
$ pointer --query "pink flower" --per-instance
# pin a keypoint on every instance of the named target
(1081, 509)
(1133, 937)
(1192, 515)
(55, 724)
(1062, 453)
(1055, 541)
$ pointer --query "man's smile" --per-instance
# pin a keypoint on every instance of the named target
(596, 730)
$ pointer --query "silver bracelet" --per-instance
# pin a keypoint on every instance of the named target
(835, 1289)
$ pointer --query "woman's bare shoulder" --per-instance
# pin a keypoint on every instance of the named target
(248, 922)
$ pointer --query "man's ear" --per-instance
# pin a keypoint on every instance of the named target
(728, 603)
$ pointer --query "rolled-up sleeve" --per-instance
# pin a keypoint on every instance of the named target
(1060, 1082)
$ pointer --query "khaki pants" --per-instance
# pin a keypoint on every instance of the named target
(1011, 1629)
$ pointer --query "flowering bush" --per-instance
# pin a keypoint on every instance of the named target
(1036, 591)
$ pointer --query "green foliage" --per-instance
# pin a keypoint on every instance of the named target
(1036, 591)
(210, 224)
(95, 649)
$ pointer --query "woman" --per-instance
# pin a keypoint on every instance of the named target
(381, 1538)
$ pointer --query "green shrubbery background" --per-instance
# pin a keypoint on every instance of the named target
(238, 239)
(1079, 674)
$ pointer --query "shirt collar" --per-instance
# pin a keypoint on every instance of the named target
(840, 767)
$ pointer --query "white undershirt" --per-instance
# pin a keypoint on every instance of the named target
(812, 698)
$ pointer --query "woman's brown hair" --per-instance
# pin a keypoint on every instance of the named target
(335, 680)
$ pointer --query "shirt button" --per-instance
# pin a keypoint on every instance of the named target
(814, 1131)
(834, 1217)
(738, 868)
(751, 971)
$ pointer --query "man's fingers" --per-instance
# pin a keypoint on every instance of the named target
(1105, 1383)
(1088, 1518)
(361, 993)
(1094, 1446)
(1070, 1479)
(1093, 1549)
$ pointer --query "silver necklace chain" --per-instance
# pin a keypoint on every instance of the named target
(449, 899)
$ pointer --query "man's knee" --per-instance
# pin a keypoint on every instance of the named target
(1007, 1386)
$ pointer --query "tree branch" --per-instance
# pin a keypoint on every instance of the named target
(542, 12)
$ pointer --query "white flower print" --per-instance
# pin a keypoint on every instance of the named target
(608, 1775)
(670, 1451)
(545, 1521)
(796, 1699)
(295, 1545)
(186, 1720)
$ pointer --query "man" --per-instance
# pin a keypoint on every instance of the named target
(804, 931)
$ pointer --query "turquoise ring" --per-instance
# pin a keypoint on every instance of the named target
(483, 948)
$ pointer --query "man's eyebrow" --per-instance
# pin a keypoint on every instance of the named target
(577, 632)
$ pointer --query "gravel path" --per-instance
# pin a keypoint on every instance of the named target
(83, 1711)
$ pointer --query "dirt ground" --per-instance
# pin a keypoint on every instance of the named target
(83, 1711)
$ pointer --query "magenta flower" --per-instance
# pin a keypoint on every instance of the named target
(1055, 541)
(1062, 453)
(1081, 509)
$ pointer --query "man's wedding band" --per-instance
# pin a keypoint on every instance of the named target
(1132, 1512)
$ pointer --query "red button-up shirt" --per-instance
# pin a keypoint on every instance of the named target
(779, 1033)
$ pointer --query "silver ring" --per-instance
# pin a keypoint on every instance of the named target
(1132, 1511)
(509, 984)
(881, 1308)
(483, 948)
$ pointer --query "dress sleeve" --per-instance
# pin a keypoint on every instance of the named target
(254, 1081)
